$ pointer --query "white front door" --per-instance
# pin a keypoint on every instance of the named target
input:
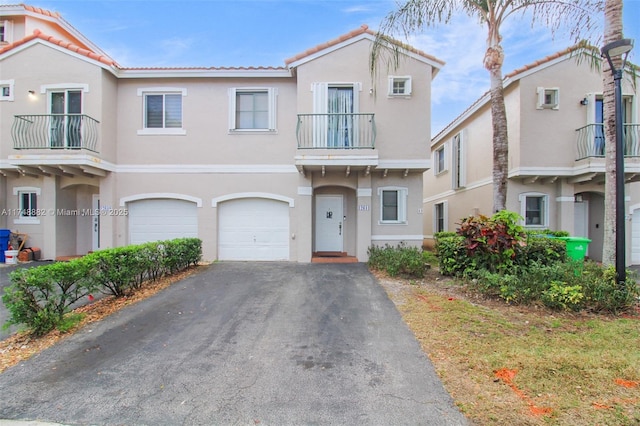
(95, 222)
(329, 223)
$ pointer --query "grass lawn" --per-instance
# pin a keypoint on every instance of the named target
(516, 365)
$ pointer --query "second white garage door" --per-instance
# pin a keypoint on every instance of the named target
(161, 219)
(253, 229)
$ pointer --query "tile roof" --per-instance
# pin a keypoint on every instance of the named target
(203, 68)
(364, 29)
(37, 34)
(41, 11)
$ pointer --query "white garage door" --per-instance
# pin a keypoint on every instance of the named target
(161, 219)
(253, 229)
(635, 237)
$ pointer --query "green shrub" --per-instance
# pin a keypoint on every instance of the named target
(400, 260)
(559, 295)
(604, 293)
(542, 251)
(452, 255)
(40, 297)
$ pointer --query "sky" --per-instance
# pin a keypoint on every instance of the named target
(237, 33)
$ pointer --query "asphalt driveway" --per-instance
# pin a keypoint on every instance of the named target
(240, 343)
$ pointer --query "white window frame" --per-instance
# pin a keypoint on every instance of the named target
(440, 151)
(458, 161)
(402, 194)
(7, 27)
(552, 103)
(445, 216)
(22, 218)
(143, 92)
(8, 85)
(406, 79)
(272, 94)
(544, 209)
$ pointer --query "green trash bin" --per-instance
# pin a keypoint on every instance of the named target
(576, 247)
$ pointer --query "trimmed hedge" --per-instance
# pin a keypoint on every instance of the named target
(39, 297)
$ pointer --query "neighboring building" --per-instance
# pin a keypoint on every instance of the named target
(556, 154)
(260, 163)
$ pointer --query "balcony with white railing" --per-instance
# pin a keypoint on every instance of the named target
(336, 131)
(590, 153)
(336, 142)
(55, 144)
(591, 141)
(55, 132)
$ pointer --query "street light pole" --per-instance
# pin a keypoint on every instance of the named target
(612, 50)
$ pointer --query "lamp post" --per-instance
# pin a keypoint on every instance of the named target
(612, 50)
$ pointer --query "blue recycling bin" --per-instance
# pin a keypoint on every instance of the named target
(4, 242)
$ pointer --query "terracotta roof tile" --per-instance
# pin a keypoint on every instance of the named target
(41, 11)
(62, 43)
(204, 68)
(354, 33)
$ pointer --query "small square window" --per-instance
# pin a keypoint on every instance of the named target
(548, 98)
(6, 90)
(399, 86)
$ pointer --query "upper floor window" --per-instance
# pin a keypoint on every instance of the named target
(393, 204)
(458, 161)
(252, 109)
(548, 98)
(6, 31)
(534, 209)
(27, 205)
(6, 90)
(440, 160)
(162, 111)
(399, 85)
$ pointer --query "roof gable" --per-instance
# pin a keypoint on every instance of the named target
(513, 77)
(38, 35)
(354, 36)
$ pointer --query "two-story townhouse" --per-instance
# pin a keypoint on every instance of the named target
(556, 153)
(316, 157)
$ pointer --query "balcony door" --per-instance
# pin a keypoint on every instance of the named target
(334, 106)
(340, 110)
(66, 119)
(599, 124)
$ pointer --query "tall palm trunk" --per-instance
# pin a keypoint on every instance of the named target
(493, 59)
(612, 32)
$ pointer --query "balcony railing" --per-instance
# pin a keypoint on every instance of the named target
(336, 131)
(55, 131)
(591, 141)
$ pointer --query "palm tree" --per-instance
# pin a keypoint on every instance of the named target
(612, 32)
(414, 15)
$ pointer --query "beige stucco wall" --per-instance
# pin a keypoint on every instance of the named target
(206, 121)
(402, 130)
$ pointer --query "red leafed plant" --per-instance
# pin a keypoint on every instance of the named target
(492, 242)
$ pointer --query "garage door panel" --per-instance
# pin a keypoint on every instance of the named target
(253, 229)
(161, 219)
